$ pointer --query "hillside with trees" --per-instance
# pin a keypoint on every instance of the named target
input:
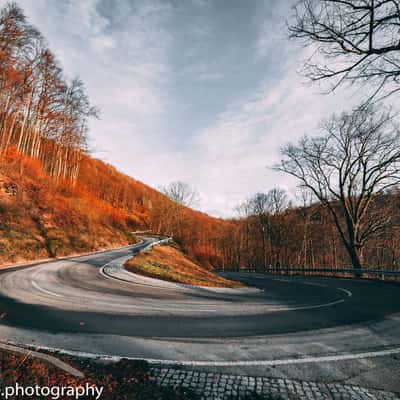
(55, 199)
(273, 236)
(42, 217)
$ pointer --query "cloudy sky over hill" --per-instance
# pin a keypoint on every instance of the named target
(200, 91)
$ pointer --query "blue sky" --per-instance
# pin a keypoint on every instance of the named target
(200, 91)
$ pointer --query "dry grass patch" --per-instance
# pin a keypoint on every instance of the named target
(171, 264)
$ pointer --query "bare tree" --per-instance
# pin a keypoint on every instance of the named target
(243, 210)
(267, 208)
(279, 203)
(261, 208)
(348, 167)
(181, 193)
(356, 40)
(182, 196)
(306, 254)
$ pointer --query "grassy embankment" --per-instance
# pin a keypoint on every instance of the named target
(169, 263)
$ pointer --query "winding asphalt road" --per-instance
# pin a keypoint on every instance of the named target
(72, 304)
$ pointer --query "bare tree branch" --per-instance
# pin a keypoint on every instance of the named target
(356, 41)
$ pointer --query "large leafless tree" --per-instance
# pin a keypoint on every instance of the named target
(181, 193)
(355, 41)
(354, 161)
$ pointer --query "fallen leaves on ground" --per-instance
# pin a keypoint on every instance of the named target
(121, 381)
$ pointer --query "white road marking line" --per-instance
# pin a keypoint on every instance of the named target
(346, 291)
(301, 282)
(273, 310)
(200, 310)
(313, 284)
(349, 294)
(271, 363)
(261, 307)
(180, 310)
(151, 308)
(316, 306)
(236, 363)
(36, 286)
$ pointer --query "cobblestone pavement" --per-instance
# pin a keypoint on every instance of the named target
(213, 386)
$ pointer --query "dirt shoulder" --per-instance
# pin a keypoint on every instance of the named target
(169, 263)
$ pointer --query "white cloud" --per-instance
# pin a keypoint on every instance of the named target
(245, 139)
(103, 43)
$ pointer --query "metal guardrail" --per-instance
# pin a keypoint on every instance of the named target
(156, 243)
(379, 273)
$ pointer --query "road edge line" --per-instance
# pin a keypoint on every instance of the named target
(212, 363)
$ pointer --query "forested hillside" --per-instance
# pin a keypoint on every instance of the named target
(56, 200)
(42, 217)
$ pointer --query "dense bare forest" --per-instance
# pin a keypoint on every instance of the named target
(305, 236)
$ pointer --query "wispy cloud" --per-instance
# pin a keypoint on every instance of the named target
(246, 138)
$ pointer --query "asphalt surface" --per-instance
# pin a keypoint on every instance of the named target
(73, 296)
(71, 304)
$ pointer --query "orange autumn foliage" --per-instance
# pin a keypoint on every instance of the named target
(42, 217)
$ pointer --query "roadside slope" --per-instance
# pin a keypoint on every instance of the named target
(40, 218)
(168, 262)
(43, 218)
